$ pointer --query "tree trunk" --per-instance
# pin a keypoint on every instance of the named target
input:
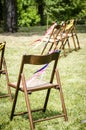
(10, 13)
(41, 13)
(1, 14)
(41, 6)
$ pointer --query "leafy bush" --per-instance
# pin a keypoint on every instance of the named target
(63, 10)
(53, 11)
(27, 13)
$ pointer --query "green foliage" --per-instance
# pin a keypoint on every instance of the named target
(54, 10)
(27, 14)
(82, 13)
(65, 9)
(29, 17)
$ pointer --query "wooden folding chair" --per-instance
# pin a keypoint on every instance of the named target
(56, 40)
(70, 31)
(30, 86)
(60, 36)
(51, 41)
(3, 68)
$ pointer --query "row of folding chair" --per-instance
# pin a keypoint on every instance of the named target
(60, 36)
(33, 84)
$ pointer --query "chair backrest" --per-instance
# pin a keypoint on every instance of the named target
(39, 60)
(2, 49)
(51, 42)
(70, 25)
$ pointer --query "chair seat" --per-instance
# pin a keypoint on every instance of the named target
(38, 84)
(58, 38)
(35, 85)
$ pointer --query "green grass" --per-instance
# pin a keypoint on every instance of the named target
(72, 69)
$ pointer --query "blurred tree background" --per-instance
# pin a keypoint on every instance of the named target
(25, 13)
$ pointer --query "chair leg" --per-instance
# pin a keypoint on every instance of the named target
(68, 45)
(46, 100)
(63, 104)
(7, 79)
(77, 41)
(50, 47)
(4, 71)
(74, 42)
(27, 103)
(61, 96)
(76, 38)
(64, 49)
(62, 46)
(14, 105)
(67, 42)
(44, 49)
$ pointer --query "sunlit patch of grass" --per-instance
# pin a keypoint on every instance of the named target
(72, 69)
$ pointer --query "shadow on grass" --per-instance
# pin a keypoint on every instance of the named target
(43, 115)
(3, 125)
(5, 95)
(67, 52)
(37, 30)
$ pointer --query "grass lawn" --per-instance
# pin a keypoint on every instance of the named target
(72, 69)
